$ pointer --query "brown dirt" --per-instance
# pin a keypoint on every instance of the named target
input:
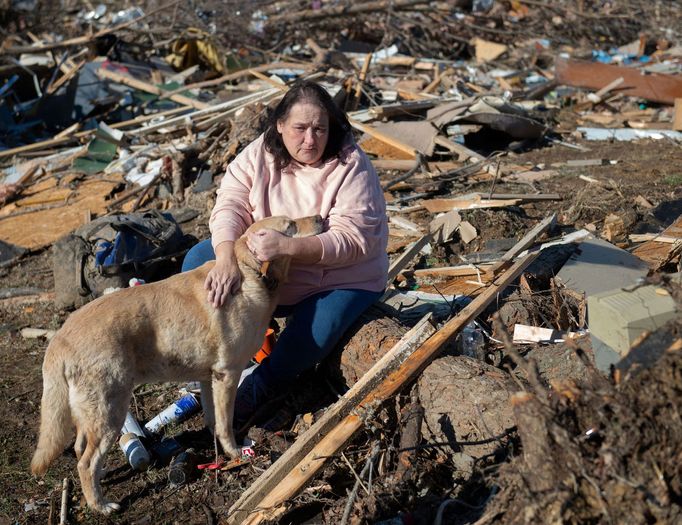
(646, 168)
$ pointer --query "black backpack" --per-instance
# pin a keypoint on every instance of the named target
(110, 250)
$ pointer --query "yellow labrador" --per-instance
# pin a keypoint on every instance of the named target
(164, 331)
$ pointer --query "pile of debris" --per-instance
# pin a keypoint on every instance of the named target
(525, 329)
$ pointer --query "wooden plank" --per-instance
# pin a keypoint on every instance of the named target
(656, 87)
(409, 150)
(237, 75)
(454, 271)
(300, 15)
(282, 467)
(441, 205)
(406, 165)
(397, 266)
(461, 150)
(526, 197)
(642, 237)
(529, 239)
(149, 88)
(252, 510)
(677, 115)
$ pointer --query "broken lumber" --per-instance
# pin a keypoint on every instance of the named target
(656, 87)
(401, 146)
(397, 266)
(460, 149)
(83, 40)
(146, 87)
(656, 252)
(282, 467)
(61, 140)
(265, 501)
(341, 10)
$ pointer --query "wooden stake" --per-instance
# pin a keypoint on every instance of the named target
(677, 115)
(65, 502)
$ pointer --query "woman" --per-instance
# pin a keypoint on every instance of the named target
(306, 163)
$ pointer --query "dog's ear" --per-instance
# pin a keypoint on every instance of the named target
(274, 273)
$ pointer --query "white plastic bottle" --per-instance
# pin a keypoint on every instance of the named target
(176, 412)
(134, 451)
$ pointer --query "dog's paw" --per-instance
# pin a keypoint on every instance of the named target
(109, 508)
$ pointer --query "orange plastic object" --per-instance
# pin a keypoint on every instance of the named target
(268, 345)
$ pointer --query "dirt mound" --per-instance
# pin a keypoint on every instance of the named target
(598, 452)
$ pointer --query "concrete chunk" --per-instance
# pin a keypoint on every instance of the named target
(598, 266)
(618, 317)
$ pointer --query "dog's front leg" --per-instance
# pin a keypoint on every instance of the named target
(224, 393)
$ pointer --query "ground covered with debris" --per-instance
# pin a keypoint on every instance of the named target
(530, 156)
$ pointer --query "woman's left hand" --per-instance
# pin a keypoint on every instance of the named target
(267, 244)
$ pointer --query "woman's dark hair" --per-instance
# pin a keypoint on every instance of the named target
(312, 93)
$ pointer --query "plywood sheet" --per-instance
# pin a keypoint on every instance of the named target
(49, 212)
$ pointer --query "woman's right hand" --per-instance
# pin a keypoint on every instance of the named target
(224, 278)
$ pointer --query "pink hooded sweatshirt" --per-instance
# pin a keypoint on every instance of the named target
(345, 191)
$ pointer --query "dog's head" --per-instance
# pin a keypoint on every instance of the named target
(275, 272)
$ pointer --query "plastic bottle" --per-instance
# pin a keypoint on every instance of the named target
(131, 425)
(165, 450)
(178, 411)
(134, 451)
(472, 341)
(131, 445)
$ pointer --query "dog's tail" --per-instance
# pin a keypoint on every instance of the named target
(56, 428)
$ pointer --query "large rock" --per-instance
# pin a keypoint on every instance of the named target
(466, 400)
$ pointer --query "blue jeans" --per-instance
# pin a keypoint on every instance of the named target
(314, 326)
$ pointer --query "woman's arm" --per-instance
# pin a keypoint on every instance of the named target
(358, 226)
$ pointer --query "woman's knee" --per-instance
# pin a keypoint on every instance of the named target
(197, 255)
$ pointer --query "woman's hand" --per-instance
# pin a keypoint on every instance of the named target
(224, 278)
(267, 244)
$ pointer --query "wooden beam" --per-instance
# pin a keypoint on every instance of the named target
(149, 88)
(252, 510)
(283, 466)
(454, 271)
(384, 138)
(236, 76)
(397, 266)
(340, 10)
(461, 150)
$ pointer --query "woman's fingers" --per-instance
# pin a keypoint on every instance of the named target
(220, 285)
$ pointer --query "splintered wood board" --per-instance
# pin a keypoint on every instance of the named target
(653, 252)
(34, 229)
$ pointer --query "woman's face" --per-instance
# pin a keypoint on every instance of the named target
(305, 132)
